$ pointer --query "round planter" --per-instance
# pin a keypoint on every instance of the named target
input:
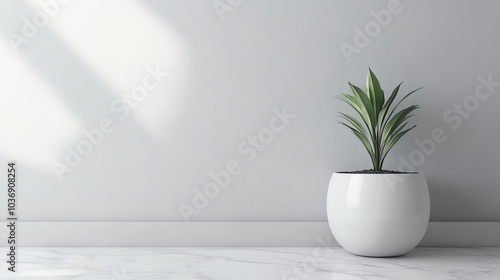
(378, 215)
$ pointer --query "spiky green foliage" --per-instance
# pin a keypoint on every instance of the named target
(380, 126)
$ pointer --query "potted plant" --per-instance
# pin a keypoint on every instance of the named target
(377, 212)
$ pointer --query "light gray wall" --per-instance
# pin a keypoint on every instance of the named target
(226, 76)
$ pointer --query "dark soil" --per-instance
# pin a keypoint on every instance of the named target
(371, 171)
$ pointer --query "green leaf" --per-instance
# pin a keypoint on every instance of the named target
(363, 140)
(398, 119)
(387, 138)
(375, 93)
(387, 105)
(367, 106)
(357, 105)
(394, 140)
(353, 122)
(402, 101)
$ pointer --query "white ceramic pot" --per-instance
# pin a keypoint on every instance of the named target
(378, 215)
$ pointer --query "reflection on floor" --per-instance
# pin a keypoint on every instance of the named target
(110, 263)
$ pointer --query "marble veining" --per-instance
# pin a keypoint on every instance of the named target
(154, 263)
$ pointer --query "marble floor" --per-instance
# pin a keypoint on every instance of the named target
(111, 263)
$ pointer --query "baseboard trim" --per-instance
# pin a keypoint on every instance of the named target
(275, 234)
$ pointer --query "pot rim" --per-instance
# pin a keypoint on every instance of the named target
(375, 174)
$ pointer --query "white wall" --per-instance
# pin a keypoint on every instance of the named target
(226, 78)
